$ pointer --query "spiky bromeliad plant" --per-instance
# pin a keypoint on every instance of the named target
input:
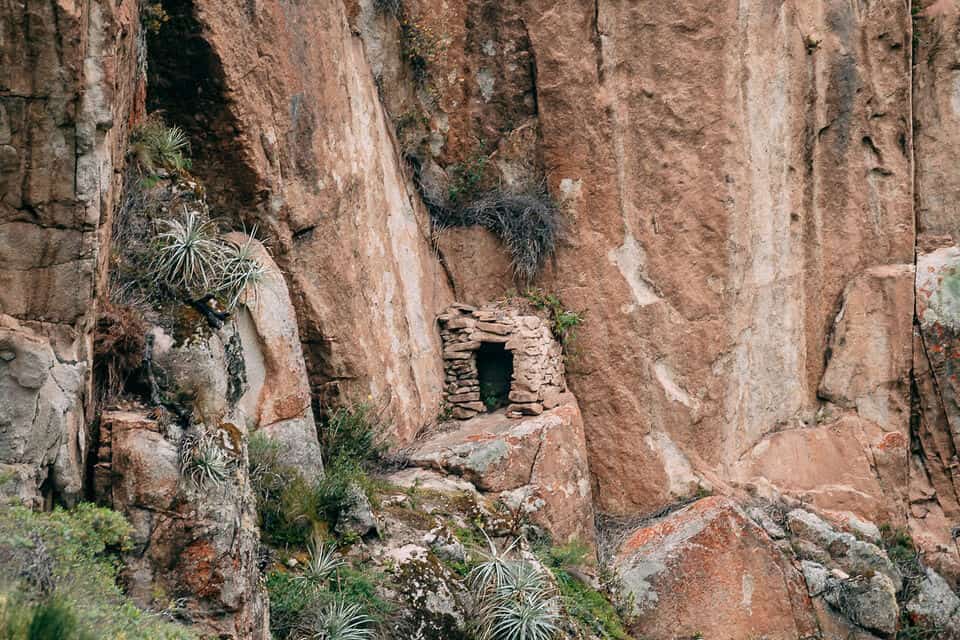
(203, 461)
(323, 564)
(339, 620)
(189, 255)
(516, 599)
(241, 272)
(156, 145)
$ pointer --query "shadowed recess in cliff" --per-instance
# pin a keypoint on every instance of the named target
(187, 85)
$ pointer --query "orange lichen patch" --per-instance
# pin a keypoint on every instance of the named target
(200, 575)
(707, 569)
(668, 526)
(893, 440)
(481, 437)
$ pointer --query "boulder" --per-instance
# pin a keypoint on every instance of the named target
(935, 604)
(834, 467)
(708, 569)
(870, 352)
(42, 425)
(855, 557)
(277, 399)
(537, 465)
(357, 518)
(199, 544)
(869, 602)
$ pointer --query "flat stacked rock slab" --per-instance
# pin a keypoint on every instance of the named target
(536, 465)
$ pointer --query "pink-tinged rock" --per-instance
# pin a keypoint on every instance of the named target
(145, 466)
(537, 465)
(849, 465)
(279, 388)
(278, 399)
(482, 264)
(302, 146)
(871, 348)
(708, 569)
(200, 542)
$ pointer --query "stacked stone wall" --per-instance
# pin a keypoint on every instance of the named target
(538, 374)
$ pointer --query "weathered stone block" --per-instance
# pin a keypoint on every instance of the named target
(518, 395)
(472, 396)
(500, 328)
(527, 409)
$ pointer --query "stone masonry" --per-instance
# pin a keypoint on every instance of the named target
(538, 375)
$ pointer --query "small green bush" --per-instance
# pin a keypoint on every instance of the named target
(76, 549)
(286, 501)
(289, 597)
(295, 601)
(563, 322)
(291, 506)
(350, 434)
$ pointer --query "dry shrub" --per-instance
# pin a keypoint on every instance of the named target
(118, 346)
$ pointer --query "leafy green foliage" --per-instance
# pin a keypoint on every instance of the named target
(465, 179)
(59, 573)
(590, 609)
(288, 599)
(563, 322)
(904, 555)
(291, 506)
(490, 396)
(286, 501)
(52, 619)
(350, 434)
(296, 601)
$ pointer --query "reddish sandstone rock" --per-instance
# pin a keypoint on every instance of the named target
(198, 544)
(724, 179)
(537, 465)
(290, 133)
(709, 569)
(277, 399)
(845, 466)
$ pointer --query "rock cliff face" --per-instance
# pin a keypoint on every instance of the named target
(761, 229)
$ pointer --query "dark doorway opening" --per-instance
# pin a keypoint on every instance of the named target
(494, 371)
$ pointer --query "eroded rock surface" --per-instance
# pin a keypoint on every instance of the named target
(192, 544)
(536, 465)
(43, 435)
(709, 569)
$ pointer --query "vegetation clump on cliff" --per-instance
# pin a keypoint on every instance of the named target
(59, 575)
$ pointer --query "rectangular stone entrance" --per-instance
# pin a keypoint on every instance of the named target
(495, 373)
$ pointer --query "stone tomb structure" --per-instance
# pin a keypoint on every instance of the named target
(496, 357)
